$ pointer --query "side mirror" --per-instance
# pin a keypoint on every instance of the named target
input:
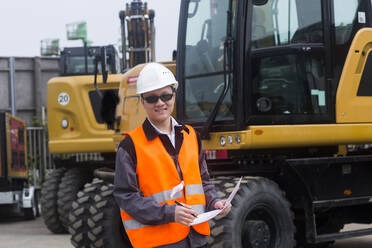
(259, 2)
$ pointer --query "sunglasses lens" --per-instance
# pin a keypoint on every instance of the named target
(151, 99)
(166, 97)
(154, 99)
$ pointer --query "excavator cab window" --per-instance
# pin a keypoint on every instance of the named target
(75, 65)
(349, 17)
(72, 61)
(287, 62)
(289, 84)
(345, 14)
(204, 60)
(282, 22)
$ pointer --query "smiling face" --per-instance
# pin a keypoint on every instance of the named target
(160, 111)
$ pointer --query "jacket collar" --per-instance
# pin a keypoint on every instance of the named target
(152, 134)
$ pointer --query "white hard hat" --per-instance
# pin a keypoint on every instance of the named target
(155, 76)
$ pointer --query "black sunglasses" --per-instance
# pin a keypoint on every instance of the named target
(154, 98)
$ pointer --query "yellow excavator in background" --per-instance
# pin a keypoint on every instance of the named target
(76, 121)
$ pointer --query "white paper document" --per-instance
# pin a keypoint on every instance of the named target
(211, 214)
(176, 189)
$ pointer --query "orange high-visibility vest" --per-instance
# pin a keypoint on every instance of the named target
(157, 176)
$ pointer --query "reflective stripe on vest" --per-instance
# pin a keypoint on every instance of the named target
(165, 196)
(157, 176)
(133, 224)
(194, 189)
(160, 197)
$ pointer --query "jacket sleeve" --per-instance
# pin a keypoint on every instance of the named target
(210, 193)
(128, 195)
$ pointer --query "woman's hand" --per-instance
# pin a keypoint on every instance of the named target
(184, 214)
(220, 205)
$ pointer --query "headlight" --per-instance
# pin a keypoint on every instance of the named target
(222, 141)
(64, 123)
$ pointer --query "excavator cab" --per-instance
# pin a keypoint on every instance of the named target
(271, 62)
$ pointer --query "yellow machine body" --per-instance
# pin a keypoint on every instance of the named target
(351, 108)
(68, 100)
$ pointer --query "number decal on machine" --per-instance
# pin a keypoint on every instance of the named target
(63, 98)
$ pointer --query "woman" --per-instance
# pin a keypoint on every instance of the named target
(159, 164)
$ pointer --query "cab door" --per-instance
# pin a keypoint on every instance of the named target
(288, 63)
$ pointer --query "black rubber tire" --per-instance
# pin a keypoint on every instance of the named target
(258, 200)
(105, 225)
(72, 181)
(49, 207)
(79, 214)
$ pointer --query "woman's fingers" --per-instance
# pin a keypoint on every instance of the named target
(184, 215)
(221, 204)
(226, 210)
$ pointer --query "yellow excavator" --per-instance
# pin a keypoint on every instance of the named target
(282, 87)
(76, 121)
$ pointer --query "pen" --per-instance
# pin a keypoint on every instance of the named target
(180, 204)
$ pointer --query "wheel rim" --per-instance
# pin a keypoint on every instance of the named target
(260, 228)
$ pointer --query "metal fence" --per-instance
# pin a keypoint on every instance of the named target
(39, 158)
(41, 161)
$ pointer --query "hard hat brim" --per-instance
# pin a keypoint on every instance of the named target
(156, 87)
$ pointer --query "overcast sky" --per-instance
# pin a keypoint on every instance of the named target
(24, 23)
